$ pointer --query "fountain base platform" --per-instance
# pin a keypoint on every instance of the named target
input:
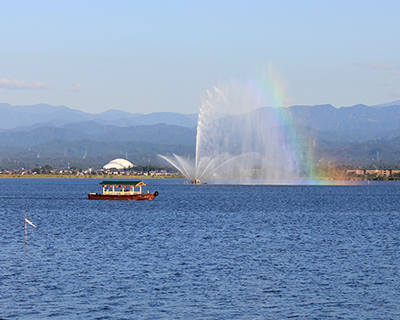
(197, 181)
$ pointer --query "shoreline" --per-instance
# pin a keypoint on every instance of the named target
(142, 177)
(72, 176)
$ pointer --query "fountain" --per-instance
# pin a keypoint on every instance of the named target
(239, 138)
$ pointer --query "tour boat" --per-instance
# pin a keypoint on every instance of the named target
(122, 190)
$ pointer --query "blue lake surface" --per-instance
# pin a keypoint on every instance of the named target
(200, 252)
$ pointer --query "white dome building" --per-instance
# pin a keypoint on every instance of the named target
(118, 164)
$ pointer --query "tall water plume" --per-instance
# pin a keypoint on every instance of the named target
(239, 138)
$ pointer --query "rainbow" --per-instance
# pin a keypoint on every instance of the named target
(271, 86)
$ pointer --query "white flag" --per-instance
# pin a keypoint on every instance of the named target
(30, 223)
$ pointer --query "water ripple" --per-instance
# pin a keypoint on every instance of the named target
(200, 252)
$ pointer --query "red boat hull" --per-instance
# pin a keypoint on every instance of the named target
(145, 196)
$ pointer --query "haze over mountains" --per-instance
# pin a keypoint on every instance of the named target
(42, 134)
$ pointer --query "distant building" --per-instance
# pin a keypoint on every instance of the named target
(118, 164)
(379, 170)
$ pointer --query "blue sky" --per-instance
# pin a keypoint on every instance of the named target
(151, 56)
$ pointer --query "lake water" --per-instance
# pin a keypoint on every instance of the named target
(200, 252)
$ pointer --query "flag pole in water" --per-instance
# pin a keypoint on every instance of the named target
(26, 228)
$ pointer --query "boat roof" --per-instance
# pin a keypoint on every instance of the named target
(122, 182)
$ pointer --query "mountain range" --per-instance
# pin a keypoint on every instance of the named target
(21, 117)
(42, 134)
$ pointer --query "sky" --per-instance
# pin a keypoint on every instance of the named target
(156, 56)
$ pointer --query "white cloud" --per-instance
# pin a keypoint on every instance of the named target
(22, 85)
(76, 88)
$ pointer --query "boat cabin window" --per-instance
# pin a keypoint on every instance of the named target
(121, 189)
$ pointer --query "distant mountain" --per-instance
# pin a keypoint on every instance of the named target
(90, 127)
(159, 133)
(38, 136)
(13, 116)
(359, 120)
(389, 104)
(23, 116)
(36, 108)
